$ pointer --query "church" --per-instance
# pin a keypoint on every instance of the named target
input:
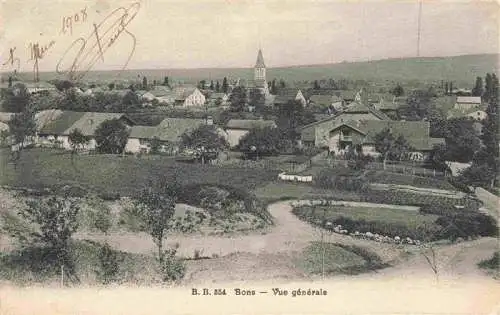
(259, 81)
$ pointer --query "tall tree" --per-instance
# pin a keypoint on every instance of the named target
(257, 99)
(282, 84)
(398, 91)
(291, 116)
(478, 89)
(273, 87)
(488, 87)
(390, 147)
(217, 86)
(16, 99)
(77, 140)
(130, 101)
(238, 99)
(21, 127)
(212, 86)
(144, 83)
(165, 82)
(206, 140)
(260, 142)
(111, 136)
(156, 209)
(316, 85)
(446, 88)
(225, 85)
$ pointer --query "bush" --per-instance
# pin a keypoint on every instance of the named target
(467, 224)
(173, 269)
(340, 179)
(492, 263)
(108, 264)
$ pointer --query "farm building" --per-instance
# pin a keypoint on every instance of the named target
(237, 128)
(167, 133)
(54, 126)
(467, 102)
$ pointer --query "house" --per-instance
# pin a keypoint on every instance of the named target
(338, 138)
(236, 129)
(189, 97)
(467, 102)
(55, 126)
(326, 101)
(289, 94)
(219, 98)
(476, 113)
(168, 133)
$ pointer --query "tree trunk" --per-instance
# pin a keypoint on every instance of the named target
(160, 251)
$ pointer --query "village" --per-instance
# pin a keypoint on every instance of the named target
(392, 175)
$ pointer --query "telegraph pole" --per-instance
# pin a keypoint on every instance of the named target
(419, 26)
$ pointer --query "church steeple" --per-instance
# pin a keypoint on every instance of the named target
(260, 60)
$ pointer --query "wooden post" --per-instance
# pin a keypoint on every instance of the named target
(62, 275)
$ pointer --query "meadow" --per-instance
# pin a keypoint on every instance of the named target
(116, 175)
(463, 70)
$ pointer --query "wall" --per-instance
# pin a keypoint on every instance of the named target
(234, 136)
(133, 145)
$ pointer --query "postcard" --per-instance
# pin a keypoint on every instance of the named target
(249, 157)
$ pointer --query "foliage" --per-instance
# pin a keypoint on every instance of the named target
(332, 179)
(156, 209)
(173, 269)
(477, 175)
(385, 177)
(111, 136)
(260, 142)
(291, 116)
(205, 139)
(478, 89)
(16, 99)
(398, 91)
(390, 147)
(77, 139)
(237, 99)
(418, 105)
(493, 263)
(108, 264)
(464, 224)
(257, 99)
(98, 214)
(22, 125)
(155, 145)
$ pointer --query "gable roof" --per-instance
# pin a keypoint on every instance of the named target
(90, 121)
(469, 99)
(170, 129)
(217, 95)
(415, 132)
(325, 100)
(247, 124)
(181, 93)
(357, 107)
(63, 122)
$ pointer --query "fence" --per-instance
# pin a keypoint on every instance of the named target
(402, 167)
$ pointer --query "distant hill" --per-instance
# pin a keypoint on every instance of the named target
(461, 69)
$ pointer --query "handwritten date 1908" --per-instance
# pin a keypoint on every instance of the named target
(67, 21)
(84, 53)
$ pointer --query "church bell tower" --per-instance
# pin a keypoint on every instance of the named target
(260, 73)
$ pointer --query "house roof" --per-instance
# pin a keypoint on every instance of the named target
(415, 132)
(170, 129)
(260, 60)
(290, 92)
(247, 124)
(357, 107)
(469, 99)
(45, 117)
(58, 125)
(217, 95)
(325, 100)
(181, 93)
(90, 121)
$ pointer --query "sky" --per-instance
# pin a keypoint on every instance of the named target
(228, 33)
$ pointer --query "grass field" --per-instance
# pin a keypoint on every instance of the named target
(412, 219)
(124, 175)
(386, 177)
(337, 258)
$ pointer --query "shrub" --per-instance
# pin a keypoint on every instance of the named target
(172, 268)
(467, 224)
(108, 264)
(492, 263)
(340, 179)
